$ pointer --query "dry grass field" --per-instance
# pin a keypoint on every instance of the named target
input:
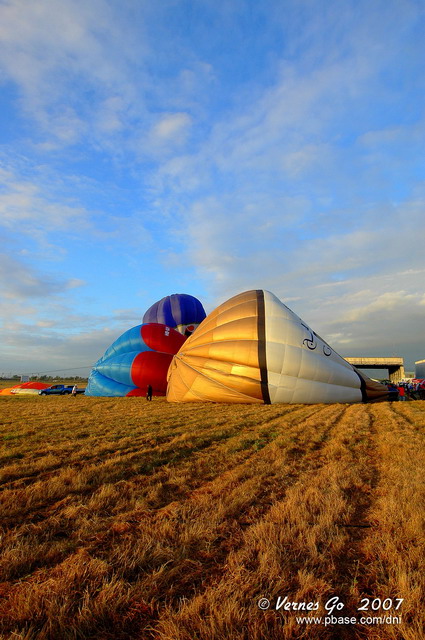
(127, 519)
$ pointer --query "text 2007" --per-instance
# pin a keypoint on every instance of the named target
(376, 604)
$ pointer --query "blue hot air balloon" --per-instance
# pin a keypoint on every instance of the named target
(139, 357)
(179, 311)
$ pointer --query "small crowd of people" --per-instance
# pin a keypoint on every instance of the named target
(407, 390)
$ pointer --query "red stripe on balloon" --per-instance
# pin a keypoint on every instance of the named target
(150, 367)
(159, 337)
(136, 392)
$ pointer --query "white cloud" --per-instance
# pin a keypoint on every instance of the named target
(85, 73)
(20, 281)
(111, 114)
(69, 343)
(380, 304)
(34, 343)
(54, 52)
(172, 126)
(385, 317)
(31, 207)
(357, 288)
(42, 208)
(168, 133)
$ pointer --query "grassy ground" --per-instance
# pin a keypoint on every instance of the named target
(128, 519)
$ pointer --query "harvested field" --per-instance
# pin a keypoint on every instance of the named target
(127, 519)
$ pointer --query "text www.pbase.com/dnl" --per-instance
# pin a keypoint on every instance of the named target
(331, 620)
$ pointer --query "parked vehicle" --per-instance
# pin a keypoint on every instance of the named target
(59, 390)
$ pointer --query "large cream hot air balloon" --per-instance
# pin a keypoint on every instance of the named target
(254, 349)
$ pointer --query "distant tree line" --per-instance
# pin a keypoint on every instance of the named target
(56, 378)
(45, 378)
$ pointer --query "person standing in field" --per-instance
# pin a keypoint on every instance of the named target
(149, 392)
(74, 391)
(401, 392)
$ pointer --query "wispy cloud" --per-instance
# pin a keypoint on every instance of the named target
(152, 149)
(54, 53)
(29, 205)
(172, 127)
(20, 281)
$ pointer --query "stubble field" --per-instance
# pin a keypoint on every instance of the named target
(127, 519)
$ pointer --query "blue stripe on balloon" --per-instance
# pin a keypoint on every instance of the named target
(129, 341)
(99, 385)
(179, 307)
(118, 367)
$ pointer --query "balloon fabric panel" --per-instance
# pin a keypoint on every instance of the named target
(208, 384)
(150, 367)
(118, 368)
(161, 338)
(301, 366)
(100, 385)
(130, 341)
(219, 362)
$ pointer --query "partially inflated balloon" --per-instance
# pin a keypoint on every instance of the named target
(139, 357)
(253, 348)
(30, 388)
(179, 311)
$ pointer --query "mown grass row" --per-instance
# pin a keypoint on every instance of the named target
(127, 519)
(393, 551)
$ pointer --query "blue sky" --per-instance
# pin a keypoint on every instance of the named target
(150, 148)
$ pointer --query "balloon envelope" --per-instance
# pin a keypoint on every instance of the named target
(139, 357)
(24, 388)
(253, 348)
(179, 311)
